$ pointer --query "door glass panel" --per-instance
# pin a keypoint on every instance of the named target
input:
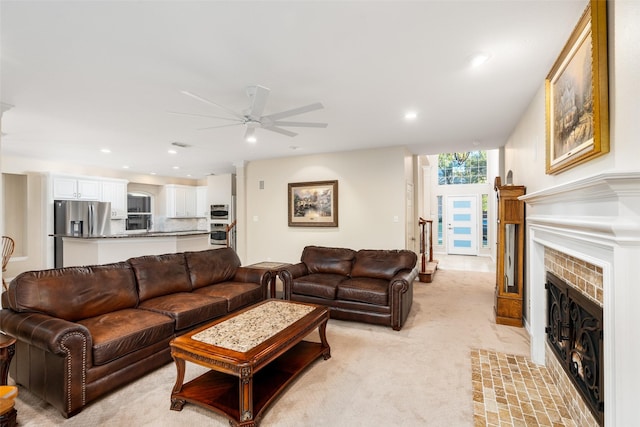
(510, 258)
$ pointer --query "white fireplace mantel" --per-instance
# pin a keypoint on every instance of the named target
(596, 219)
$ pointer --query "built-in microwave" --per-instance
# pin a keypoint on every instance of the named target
(218, 234)
(219, 212)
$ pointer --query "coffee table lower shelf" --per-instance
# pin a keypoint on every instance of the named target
(220, 392)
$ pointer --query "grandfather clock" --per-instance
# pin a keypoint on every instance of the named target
(510, 254)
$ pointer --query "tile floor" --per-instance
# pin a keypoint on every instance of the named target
(510, 390)
(465, 262)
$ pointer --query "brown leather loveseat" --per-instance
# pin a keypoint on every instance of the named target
(84, 331)
(372, 286)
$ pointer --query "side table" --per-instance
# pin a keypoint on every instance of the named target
(274, 268)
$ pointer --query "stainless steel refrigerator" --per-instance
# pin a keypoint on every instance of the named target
(79, 218)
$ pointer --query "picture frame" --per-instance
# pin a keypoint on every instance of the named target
(577, 95)
(313, 204)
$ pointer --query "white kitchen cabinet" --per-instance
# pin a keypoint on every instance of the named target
(72, 188)
(181, 201)
(202, 207)
(115, 192)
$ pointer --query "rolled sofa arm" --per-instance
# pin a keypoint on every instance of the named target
(402, 279)
(45, 332)
(289, 273)
(401, 296)
(57, 350)
(254, 275)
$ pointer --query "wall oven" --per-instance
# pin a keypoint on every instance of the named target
(219, 212)
(218, 234)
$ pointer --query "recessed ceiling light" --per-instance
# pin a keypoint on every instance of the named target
(410, 115)
(479, 59)
(176, 167)
(172, 152)
(152, 173)
(105, 150)
(251, 139)
(125, 167)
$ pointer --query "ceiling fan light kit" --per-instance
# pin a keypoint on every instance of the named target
(253, 117)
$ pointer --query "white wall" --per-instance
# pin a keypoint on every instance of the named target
(371, 189)
(525, 155)
(525, 149)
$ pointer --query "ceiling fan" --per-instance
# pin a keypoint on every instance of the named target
(252, 118)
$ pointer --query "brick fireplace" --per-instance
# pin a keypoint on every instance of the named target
(587, 232)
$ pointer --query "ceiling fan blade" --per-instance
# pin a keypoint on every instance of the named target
(301, 124)
(206, 101)
(219, 126)
(279, 130)
(204, 115)
(295, 111)
(259, 94)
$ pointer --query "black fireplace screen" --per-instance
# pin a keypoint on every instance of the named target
(574, 332)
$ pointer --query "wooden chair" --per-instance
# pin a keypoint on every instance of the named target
(7, 250)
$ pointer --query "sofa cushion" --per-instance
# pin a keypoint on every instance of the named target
(122, 332)
(318, 285)
(382, 264)
(237, 294)
(211, 266)
(159, 275)
(74, 293)
(364, 289)
(186, 309)
(328, 260)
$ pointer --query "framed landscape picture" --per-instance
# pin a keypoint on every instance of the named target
(577, 100)
(313, 204)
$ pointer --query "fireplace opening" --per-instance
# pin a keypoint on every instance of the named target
(575, 334)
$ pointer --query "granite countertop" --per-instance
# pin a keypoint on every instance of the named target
(134, 235)
(246, 330)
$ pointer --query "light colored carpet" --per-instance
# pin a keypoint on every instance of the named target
(420, 375)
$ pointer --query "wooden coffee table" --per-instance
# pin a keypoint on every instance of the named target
(253, 355)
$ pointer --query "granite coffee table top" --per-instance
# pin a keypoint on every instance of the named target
(248, 329)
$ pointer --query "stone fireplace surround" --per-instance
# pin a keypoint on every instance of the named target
(597, 220)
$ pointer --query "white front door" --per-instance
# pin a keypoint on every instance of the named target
(462, 228)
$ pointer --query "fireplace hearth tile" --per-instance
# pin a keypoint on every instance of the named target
(510, 390)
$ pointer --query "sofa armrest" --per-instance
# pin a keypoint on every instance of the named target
(289, 273)
(402, 279)
(254, 275)
(45, 332)
(54, 359)
(401, 296)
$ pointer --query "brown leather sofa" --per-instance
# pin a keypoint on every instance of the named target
(372, 286)
(84, 331)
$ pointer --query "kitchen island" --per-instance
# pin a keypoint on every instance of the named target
(93, 250)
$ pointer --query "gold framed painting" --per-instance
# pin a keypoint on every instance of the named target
(577, 96)
(313, 204)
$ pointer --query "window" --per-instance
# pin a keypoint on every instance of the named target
(462, 168)
(439, 220)
(485, 220)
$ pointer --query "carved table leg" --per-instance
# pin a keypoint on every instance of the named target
(246, 397)
(177, 404)
(322, 329)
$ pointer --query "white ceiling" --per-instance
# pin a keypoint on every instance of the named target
(82, 76)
